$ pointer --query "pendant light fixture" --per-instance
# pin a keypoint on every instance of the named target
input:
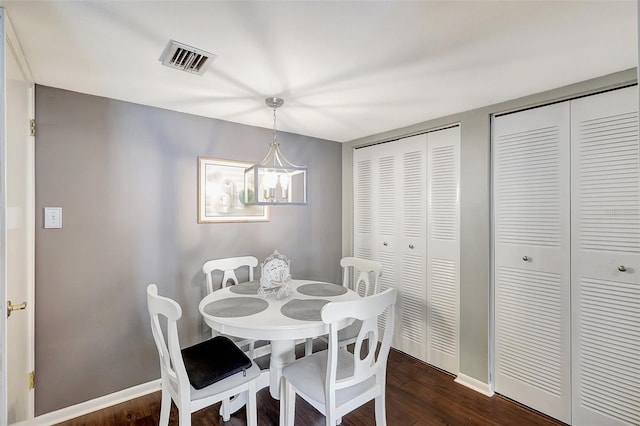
(275, 180)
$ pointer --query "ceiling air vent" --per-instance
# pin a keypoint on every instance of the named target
(186, 58)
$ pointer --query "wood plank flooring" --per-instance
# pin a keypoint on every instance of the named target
(417, 394)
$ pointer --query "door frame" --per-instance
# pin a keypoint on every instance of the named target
(11, 46)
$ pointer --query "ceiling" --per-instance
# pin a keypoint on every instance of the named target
(346, 69)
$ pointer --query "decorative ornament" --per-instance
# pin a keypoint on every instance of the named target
(275, 276)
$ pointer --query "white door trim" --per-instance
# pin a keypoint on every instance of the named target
(10, 40)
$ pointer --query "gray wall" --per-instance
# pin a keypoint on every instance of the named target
(475, 219)
(126, 178)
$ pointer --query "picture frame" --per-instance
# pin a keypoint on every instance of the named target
(221, 193)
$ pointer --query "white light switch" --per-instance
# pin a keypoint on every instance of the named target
(53, 217)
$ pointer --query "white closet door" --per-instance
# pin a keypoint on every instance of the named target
(390, 215)
(532, 258)
(443, 248)
(411, 223)
(386, 205)
(377, 184)
(363, 208)
(606, 259)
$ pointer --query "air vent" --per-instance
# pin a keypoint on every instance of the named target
(186, 58)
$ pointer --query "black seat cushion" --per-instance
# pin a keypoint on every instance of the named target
(213, 360)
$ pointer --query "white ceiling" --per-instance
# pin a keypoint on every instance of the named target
(346, 69)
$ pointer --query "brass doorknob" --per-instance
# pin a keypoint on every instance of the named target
(19, 307)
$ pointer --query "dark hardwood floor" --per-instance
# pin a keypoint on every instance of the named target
(417, 394)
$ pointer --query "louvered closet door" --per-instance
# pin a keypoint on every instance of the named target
(411, 223)
(386, 206)
(606, 259)
(532, 258)
(363, 206)
(443, 248)
(375, 209)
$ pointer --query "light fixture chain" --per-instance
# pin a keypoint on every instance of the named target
(275, 135)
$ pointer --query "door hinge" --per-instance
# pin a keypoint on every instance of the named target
(32, 380)
(32, 127)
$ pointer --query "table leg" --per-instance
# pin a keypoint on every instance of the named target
(282, 353)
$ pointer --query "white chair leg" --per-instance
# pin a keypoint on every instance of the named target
(331, 419)
(252, 346)
(165, 408)
(381, 416)
(184, 414)
(283, 403)
(288, 399)
(252, 411)
(308, 347)
(225, 410)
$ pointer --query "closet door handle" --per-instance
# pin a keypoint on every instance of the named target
(411, 246)
(526, 258)
(385, 244)
(622, 268)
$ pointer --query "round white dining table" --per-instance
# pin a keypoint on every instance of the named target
(239, 311)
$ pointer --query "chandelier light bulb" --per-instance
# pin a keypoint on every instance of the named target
(270, 180)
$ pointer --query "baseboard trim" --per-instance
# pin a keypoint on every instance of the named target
(86, 407)
(474, 384)
(96, 404)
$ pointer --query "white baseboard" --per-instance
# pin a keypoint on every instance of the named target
(86, 407)
(474, 384)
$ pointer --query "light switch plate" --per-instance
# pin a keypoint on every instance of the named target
(53, 217)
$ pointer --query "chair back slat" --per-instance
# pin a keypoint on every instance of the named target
(361, 275)
(368, 310)
(228, 267)
(368, 333)
(229, 278)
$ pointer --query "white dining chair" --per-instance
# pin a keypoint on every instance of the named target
(200, 375)
(335, 381)
(363, 277)
(229, 266)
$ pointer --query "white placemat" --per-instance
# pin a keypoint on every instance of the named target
(249, 287)
(236, 307)
(321, 289)
(306, 310)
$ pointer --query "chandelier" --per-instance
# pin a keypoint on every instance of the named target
(275, 180)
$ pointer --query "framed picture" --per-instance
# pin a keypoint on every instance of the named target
(221, 193)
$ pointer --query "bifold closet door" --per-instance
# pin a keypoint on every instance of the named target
(532, 258)
(606, 259)
(389, 223)
(374, 189)
(410, 246)
(398, 187)
(443, 249)
(385, 189)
